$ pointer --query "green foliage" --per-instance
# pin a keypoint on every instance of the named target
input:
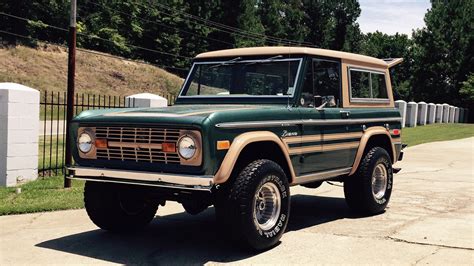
(381, 45)
(443, 52)
(467, 89)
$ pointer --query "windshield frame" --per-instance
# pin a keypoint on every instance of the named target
(252, 98)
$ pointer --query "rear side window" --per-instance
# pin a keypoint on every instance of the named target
(367, 85)
(360, 84)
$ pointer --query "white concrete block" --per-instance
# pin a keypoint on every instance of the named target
(439, 113)
(22, 162)
(431, 113)
(402, 107)
(21, 175)
(22, 136)
(18, 93)
(19, 149)
(422, 113)
(23, 123)
(146, 100)
(412, 114)
(445, 112)
(19, 125)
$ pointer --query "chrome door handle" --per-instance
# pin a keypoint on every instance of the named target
(345, 114)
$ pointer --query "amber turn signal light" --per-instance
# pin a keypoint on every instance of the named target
(101, 143)
(223, 145)
(168, 147)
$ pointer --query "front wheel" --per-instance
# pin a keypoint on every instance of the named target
(257, 205)
(369, 190)
(116, 207)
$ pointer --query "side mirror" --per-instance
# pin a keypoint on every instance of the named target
(324, 101)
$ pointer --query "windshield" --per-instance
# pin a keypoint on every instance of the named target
(246, 78)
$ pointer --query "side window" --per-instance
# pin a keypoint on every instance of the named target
(322, 79)
(360, 84)
(379, 87)
(367, 85)
(327, 79)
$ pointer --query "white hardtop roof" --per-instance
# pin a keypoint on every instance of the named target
(277, 50)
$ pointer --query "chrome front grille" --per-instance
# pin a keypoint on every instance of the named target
(139, 144)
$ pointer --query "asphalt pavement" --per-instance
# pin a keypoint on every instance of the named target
(430, 220)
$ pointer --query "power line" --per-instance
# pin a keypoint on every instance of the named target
(164, 25)
(99, 38)
(230, 28)
(92, 51)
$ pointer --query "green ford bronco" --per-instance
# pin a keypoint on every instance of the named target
(248, 124)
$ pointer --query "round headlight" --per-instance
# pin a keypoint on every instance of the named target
(85, 142)
(187, 147)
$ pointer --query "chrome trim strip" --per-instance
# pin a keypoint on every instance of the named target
(322, 122)
(321, 176)
(194, 182)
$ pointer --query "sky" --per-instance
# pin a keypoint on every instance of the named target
(392, 16)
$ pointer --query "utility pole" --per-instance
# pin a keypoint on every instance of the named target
(71, 71)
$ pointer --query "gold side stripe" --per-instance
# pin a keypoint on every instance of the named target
(342, 136)
(319, 137)
(324, 147)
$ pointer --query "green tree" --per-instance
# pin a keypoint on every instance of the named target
(382, 45)
(443, 52)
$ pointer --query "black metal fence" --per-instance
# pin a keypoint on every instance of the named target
(52, 135)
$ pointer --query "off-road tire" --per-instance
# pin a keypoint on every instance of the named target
(108, 206)
(358, 188)
(235, 206)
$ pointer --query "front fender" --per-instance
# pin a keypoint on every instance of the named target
(239, 143)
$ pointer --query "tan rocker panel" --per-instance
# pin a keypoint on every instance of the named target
(372, 131)
(239, 143)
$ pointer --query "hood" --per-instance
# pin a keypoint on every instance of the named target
(173, 115)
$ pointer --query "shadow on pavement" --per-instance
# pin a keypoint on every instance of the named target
(185, 239)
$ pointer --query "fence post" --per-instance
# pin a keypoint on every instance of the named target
(19, 130)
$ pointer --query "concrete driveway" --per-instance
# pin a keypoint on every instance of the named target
(430, 220)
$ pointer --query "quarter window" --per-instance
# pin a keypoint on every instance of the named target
(367, 85)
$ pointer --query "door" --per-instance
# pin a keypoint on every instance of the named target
(324, 146)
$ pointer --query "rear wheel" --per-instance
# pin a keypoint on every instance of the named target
(257, 206)
(369, 190)
(117, 207)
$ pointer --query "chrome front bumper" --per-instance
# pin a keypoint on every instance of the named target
(190, 182)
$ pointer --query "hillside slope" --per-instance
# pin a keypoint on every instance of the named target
(45, 68)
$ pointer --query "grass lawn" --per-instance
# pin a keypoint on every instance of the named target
(45, 194)
(436, 132)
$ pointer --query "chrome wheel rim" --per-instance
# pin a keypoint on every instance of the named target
(379, 181)
(267, 206)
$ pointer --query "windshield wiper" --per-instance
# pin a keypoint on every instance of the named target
(270, 59)
(227, 62)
